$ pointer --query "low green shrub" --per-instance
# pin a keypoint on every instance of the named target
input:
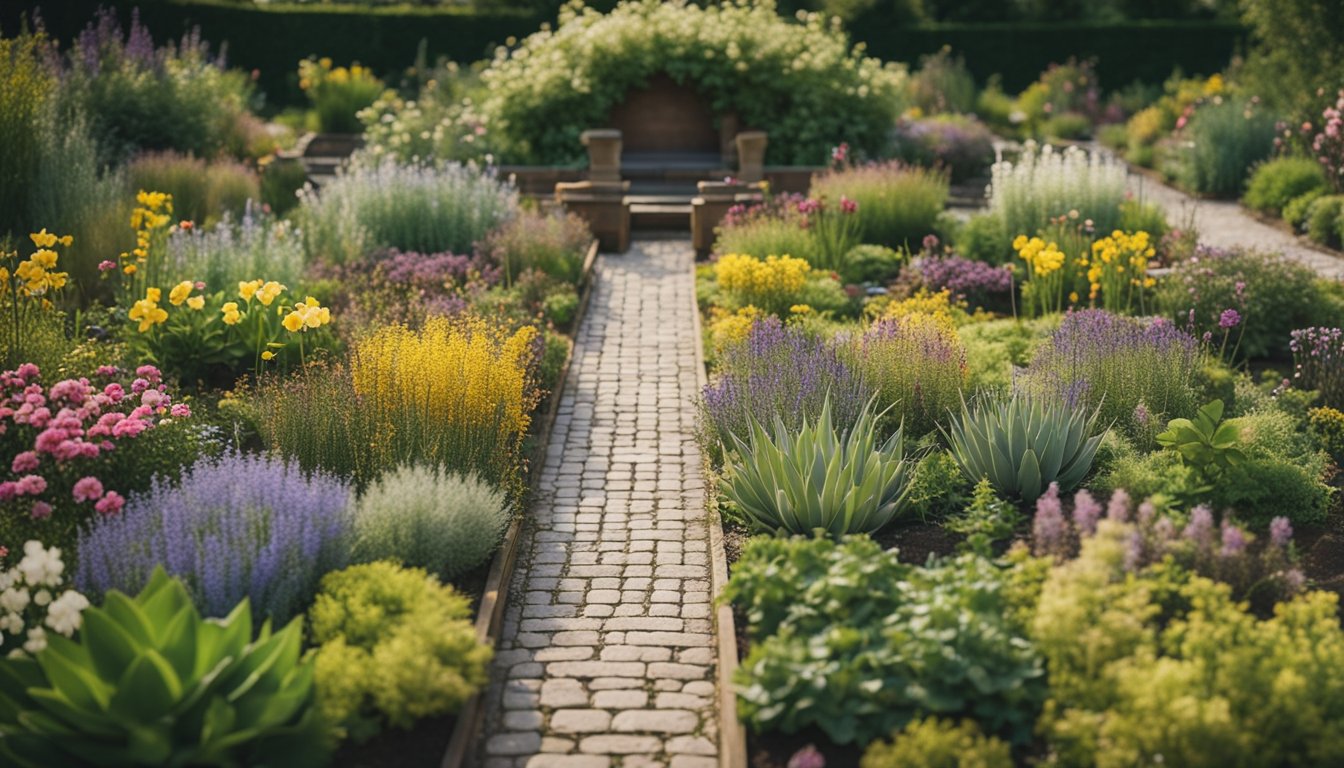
(937, 487)
(871, 264)
(1297, 211)
(984, 238)
(996, 348)
(394, 646)
(1223, 141)
(427, 518)
(149, 682)
(555, 245)
(937, 743)
(1277, 182)
(338, 93)
(827, 619)
(1324, 220)
(1164, 665)
(1138, 216)
(1327, 425)
(1070, 125)
(281, 181)
(897, 205)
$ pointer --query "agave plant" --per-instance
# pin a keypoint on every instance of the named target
(151, 683)
(1023, 444)
(818, 479)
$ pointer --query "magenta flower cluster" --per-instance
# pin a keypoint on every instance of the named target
(59, 433)
(1327, 141)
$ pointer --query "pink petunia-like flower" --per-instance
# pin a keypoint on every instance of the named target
(88, 489)
(8, 490)
(31, 485)
(110, 504)
(152, 398)
(41, 510)
(114, 392)
(70, 390)
(69, 450)
(28, 371)
(129, 428)
(24, 462)
(180, 411)
(47, 440)
(139, 385)
(149, 372)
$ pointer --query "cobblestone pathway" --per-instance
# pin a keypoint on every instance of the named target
(607, 655)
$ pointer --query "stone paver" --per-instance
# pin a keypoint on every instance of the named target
(607, 654)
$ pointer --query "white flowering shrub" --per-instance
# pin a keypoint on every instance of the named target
(34, 599)
(1043, 184)
(800, 81)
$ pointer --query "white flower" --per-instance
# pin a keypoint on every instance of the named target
(43, 597)
(37, 640)
(14, 599)
(66, 614)
(41, 566)
(12, 623)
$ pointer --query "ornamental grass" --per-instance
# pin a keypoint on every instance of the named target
(897, 204)
(917, 366)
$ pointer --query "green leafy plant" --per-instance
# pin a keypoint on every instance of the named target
(151, 683)
(819, 478)
(849, 640)
(938, 743)
(1022, 444)
(1207, 443)
(1277, 182)
(986, 521)
(395, 646)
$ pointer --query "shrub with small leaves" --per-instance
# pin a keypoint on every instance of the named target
(429, 518)
(937, 743)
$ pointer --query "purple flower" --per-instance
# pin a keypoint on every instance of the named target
(1229, 319)
(1199, 530)
(1134, 551)
(1234, 540)
(1086, 512)
(1118, 507)
(963, 278)
(1280, 532)
(807, 757)
(231, 527)
(1049, 530)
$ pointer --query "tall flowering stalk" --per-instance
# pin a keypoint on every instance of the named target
(782, 370)
(1318, 362)
(1327, 141)
(917, 366)
(141, 266)
(1043, 292)
(837, 230)
(1118, 271)
(27, 288)
(1137, 373)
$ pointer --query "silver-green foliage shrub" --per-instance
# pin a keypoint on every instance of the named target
(430, 518)
(819, 478)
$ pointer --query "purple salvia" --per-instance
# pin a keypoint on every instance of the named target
(1086, 512)
(1049, 530)
(1134, 551)
(1234, 540)
(1117, 508)
(1200, 530)
(1280, 532)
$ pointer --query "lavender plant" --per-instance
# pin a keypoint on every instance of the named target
(1135, 373)
(917, 366)
(958, 143)
(1318, 363)
(254, 245)
(232, 527)
(974, 282)
(777, 370)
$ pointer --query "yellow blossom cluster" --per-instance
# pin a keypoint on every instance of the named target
(181, 294)
(1041, 257)
(147, 310)
(450, 376)
(937, 306)
(1118, 267)
(772, 284)
(727, 327)
(152, 214)
(306, 314)
(35, 276)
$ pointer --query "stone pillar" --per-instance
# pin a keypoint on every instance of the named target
(751, 156)
(711, 205)
(604, 154)
(602, 204)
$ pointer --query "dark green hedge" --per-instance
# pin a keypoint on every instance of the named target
(1147, 51)
(272, 38)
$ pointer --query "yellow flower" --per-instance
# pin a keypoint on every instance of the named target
(269, 292)
(196, 302)
(153, 294)
(45, 257)
(180, 292)
(268, 355)
(43, 239)
(293, 322)
(231, 314)
(246, 290)
(800, 309)
(129, 269)
(147, 310)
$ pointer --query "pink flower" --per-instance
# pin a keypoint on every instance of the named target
(88, 489)
(110, 504)
(181, 411)
(8, 490)
(129, 428)
(39, 417)
(70, 390)
(41, 510)
(114, 392)
(109, 370)
(48, 440)
(139, 385)
(141, 412)
(69, 449)
(106, 265)
(151, 398)
(31, 485)
(149, 372)
(848, 206)
(24, 462)
(28, 371)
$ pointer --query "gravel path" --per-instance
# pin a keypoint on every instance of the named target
(1223, 223)
(608, 649)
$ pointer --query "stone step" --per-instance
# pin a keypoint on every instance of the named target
(663, 216)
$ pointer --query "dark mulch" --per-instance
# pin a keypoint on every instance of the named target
(421, 747)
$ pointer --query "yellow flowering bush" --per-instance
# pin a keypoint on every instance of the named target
(26, 288)
(151, 218)
(1118, 270)
(457, 392)
(939, 306)
(338, 93)
(772, 284)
